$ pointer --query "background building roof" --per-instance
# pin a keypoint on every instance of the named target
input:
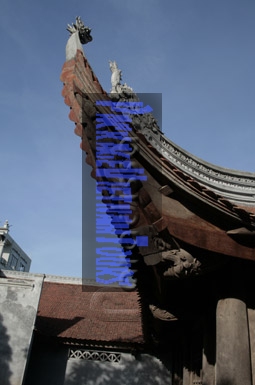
(89, 313)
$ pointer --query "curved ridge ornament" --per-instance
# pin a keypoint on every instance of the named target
(83, 31)
(80, 34)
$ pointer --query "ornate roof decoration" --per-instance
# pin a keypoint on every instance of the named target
(117, 87)
(80, 34)
(236, 186)
(83, 31)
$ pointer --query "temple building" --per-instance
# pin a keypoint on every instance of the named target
(187, 231)
(195, 272)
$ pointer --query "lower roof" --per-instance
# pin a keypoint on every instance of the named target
(90, 313)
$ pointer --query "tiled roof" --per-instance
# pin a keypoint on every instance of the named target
(89, 313)
(80, 82)
(212, 222)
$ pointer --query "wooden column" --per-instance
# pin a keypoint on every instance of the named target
(233, 366)
(251, 318)
(208, 363)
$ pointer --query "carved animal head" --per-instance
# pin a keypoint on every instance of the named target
(181, 263)
(84, 32)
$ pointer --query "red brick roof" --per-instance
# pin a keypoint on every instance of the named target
(89, 313)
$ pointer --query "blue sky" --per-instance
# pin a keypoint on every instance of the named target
(198, 53)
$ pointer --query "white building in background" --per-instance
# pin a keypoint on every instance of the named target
(12, 257)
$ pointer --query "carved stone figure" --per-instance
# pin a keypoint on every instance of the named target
(162, 314)
(146, 124)
(116, 76)
(171, 260)
(84, 32)
(183, 263)
(117, 87)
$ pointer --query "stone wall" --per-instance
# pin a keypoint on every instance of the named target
(19, 298)
(53, 363)
(115, 369)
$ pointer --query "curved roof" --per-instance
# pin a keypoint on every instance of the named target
(237, 186)
(204, 198)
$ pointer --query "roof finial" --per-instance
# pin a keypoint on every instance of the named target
(6, 226)
(84, 32)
